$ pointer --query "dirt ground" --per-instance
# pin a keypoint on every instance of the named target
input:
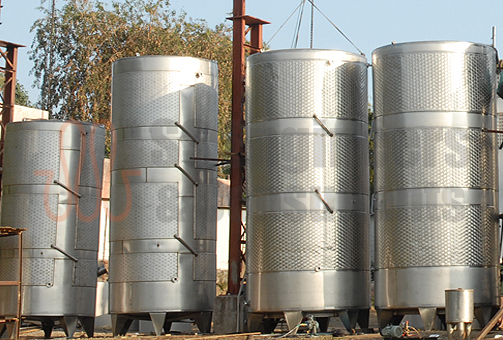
(335, 331)
(58, 334)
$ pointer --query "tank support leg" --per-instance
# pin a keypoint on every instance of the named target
(483, 315)
(158, 322)
(254, 321)
(11, 330)
(203, 321)
(69, 324)
(120, 324)
(468, 330)
(384, 317)
(428, 317)
(269, 325)
(363, 319)
(292, 320)
(47, 326)
(167, 326)
(461, 330)
(450, 330)
(397, 319)
(323, 322)
(348, 319)
(442, 320)
(88, 325)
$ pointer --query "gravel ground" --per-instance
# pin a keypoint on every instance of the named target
(336, 331)
(442, 335)
(334, 334)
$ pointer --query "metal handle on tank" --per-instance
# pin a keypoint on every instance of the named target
(187, 175)
(330, 210)
(67, 188)
(187, 132)
(323, 126)
(186, 245)
(73, 258)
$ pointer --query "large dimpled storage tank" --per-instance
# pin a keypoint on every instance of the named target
(52, 177)
(436, 178)
(307, 187)
(164, 191)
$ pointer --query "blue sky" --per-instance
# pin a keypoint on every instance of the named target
(368, 23)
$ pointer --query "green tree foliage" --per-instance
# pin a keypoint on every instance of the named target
(85, 37)
(22, 97)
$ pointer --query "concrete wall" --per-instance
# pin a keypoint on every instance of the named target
(23, 112)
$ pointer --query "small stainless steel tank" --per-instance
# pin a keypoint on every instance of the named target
(164, 191)
(52, 177)
(459, 312)
(436, 177)
(307, 186)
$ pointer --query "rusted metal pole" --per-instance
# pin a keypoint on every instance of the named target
(256, 37)
(237, 147)
(9, 91)
(9, 86)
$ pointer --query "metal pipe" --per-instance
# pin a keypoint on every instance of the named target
(20, 285)
(330, 210)
(73, 258)
(186, 245)
(312, 24)
(209, 159)
(187, 132)
(187, 175)
(67, 188)
(327, 130)
(494, 36)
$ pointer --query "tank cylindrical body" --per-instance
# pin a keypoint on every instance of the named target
(436, 173)
(459, 305)
(307, 181)
(164, 185)
(52, 177)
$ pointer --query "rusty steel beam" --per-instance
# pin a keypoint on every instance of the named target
(9, 90)
(237, 147)
(240, 21)
(9, 86)
(256, 37)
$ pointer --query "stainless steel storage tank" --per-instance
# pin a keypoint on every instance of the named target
(307, 186)
(436, 177)
(164, 191)
(52, 177)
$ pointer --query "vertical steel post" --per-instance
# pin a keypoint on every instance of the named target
(9, 86)
(9, 90)
(20, 284)
(256, 37)
(237, 147)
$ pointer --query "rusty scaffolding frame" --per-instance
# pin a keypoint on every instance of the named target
(242, 25)
(8, 52)
(7, 322)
